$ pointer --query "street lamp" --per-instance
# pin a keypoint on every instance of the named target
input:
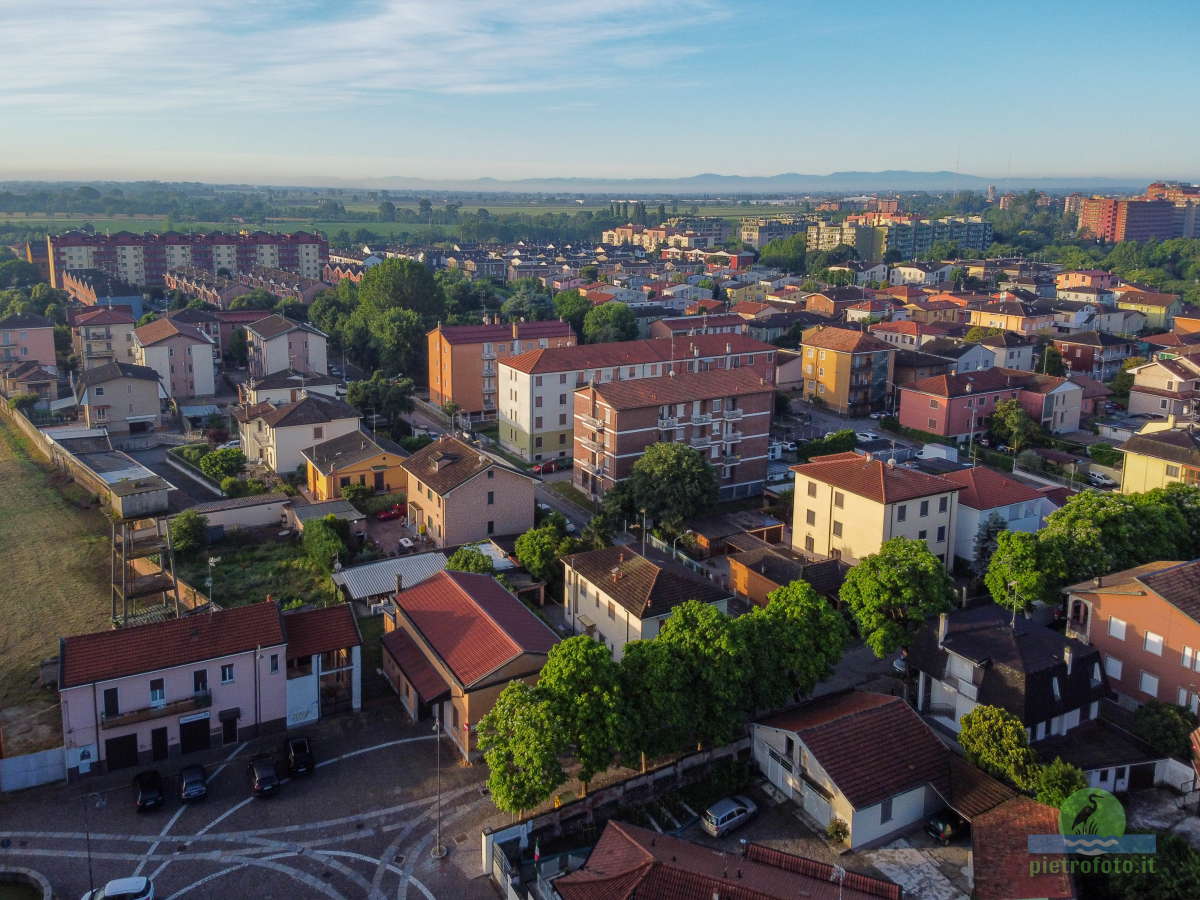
(212, 565)
(643, 531)
(438, 851)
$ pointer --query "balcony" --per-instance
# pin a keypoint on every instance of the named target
(702, 419)
(733, 436)
(597, 469)
(594, 446)
(668, 422)
(700, 441)
(198, 700)
(488, 354)
(592, 422)
(734, 414)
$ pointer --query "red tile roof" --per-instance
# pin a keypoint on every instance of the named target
(629, 862)
(909, 327)
(842, 340)
(321, 630)
(682, 388)
(161, 329)
(686, 323)
(424, 678)
(104, 315)
(860, 474)
(632, 353)
(981, 382)
(1000, 845)
(103, 655)
(473, 624)
(985, 488)
(479, 334)
(872, 746)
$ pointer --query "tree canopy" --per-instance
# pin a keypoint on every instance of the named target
(470, 558)
(521, 739)
(994, 739)
(572, 307)
(611, 321)
(671, 482)
(581, 683)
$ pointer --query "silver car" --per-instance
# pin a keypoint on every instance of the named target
(726, 815)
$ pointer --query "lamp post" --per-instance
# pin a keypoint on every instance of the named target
(212, 565)
(438, 851)
(643, 531)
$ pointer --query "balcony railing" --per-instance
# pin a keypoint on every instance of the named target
(734, 414)
(595, 446)
(198, 700)
(592, 422)
(668, 422)
(700, 441)
(702, 419)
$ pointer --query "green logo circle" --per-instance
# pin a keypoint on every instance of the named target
(1092, 811)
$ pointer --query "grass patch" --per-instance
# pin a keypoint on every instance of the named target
(247, 573)
(56, 567)
(571, 494)
(190, 454)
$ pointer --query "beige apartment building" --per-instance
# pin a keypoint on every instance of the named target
(102, 335)
(459, 495)
(848, 504)
(536, 415)
(1167, 386)
(120, 397)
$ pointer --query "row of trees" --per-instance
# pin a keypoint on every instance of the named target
(694, 684)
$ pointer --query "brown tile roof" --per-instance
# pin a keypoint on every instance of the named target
(103, 655)
(909, 327)
(686, 323)
(872, 746)
(1179, 445)
(682, 388)
(1092, 388)
(982, 382)
(875, 480)
(424, 678)
(448, 463)
(104, 315)
(972, 792)
(842, 340)
(273, 326)
(311, 410)
(24, 320)
(1179, 585)
(1146, 298)
(321, 630)
(629, 862)
(480, 334)
(631, 353)
(473, 624)
(985, 488)
(161, 329)
(348, 449)
(1000, 844)
(645, 587)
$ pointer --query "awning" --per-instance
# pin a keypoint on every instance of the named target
(586, 622)
(230, 715)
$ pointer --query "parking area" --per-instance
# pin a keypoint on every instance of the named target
(361, 825)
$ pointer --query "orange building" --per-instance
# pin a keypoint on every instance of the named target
(463, 359)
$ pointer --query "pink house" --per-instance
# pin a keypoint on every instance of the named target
(145, 694)
(27, 338)
(957, 405)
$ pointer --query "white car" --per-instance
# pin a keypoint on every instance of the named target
(235, 444)
(878, 415)
(137, 887)
(866, 435)
(1099, 479)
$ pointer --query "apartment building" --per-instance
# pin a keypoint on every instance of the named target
(758, 232)
(1162, 453)
(1145, 622)
(1166, 386)
(874, 234)
(848, 504)
(102, 335)
(95, 287)
(120, 397)
(922, 273)
(25, 337)
(681, 326)
(536, 407)
(202, 284)
(180, 354)
(143, 259)
(277, 344)
(1114, 221)
(725, 414)
(1088, 278)
(1094, 353)
(848, 371)
(464, 360)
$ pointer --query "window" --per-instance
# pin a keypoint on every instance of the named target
(612, 610)
(901, 512)
(537, 401)
(1153, 643)
(924, 508)
(491, 498)
(941, 533)
(200, 681)
(99, 392)
(810, 517)
(537, 442)
(318, 433)
(932, 423)
(837, 529)
(537, 421)
(158, 692)
(1149, 684)
(839, 499)
(812, 489)
(1190, 658)
(491, 473)
(1095, 673)
(562, 399)
(537, 381)
(809, 544)
(491, 527)
(922, 534)
(274, 662)
(943, 504)
(933, 404)
(1112, 667)
(885, 811)
(227, 673)
(454, 716)
(1116, 628)
(1181, 697)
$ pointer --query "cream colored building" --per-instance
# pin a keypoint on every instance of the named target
(277, 436)
(847, 505)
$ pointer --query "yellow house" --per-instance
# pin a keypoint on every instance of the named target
(354, 458)
(847, 505)
(1159, 309)
(1162, 453)
(745, 293)
(847, 370)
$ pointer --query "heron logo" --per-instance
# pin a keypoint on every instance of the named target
(1092, 812)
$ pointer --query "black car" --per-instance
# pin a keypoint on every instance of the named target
(297, 751)
(193, 783)
(262, 776)
(148, 789)
(946, 826)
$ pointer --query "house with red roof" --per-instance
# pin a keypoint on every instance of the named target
(722, 323)
(908, 335)
(987, 493)
(452, 644)
(180, 353)
(148, 693)
(1002, 865)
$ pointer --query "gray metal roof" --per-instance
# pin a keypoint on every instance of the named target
(340, 508)
(373, 579)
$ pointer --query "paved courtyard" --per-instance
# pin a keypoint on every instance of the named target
(361, 826)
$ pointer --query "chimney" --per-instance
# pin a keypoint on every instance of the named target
(1067, 655)
(515, 330)
(399, 582)
(943, 624)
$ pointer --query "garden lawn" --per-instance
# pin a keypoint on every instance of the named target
(247, 573)
(56, 568)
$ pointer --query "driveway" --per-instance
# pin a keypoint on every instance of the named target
(361, 826)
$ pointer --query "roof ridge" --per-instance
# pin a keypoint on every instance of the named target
(452, 573)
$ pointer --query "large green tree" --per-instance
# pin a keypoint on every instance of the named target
(521, 739)
(189, 532)
(401, 284)
(1173, 874)
(580, 680)
(673, 483)
(986, 541)
(1165, 727)
(1012, 424)
(785, 253)
(994, 739)
(323, 542)
(653, 723)
(891, 593)
(1014, 576)
(611, 321)
(469, 558)
(1056, 781)
(572, 307)
(380, 395)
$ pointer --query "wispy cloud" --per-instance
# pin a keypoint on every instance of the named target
(78, 58)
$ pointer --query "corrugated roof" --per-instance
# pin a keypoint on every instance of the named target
(377, 578)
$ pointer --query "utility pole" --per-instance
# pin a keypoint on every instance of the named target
(438, 851)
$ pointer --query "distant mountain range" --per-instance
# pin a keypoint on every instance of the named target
(725, 185)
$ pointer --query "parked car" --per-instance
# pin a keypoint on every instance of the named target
(264, 781)
(148, 789)
(866, 435)
(726, 815)
(235, 444)
(137, 887)
(1099, 479)
(878, 415)
(193, 783)
(1004, 448)
(298, 753)
(544, 468)
(790, 446)
(395, 511)
(946, 826)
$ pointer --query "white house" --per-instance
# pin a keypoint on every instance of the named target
(278, 435)
(276, 344)
(180, 354)
(616, 595)
(288, 386)
(864, 273)
(865, 759)
(1009, 351)
(987, 492)
(921, 273)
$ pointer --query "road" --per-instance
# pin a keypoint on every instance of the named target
(361, 827)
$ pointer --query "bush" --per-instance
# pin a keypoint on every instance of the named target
(232, 486)
(188, 532)
(1105, 455)
(356, 493)
(1057, 781)
(323, 542)
(191, 453)
(838, 442)
(415, 442)
(837, 830)
(1165, 727)
(220, 464)
(23, 402)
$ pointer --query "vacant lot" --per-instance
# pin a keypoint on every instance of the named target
(247, 572)
(55, 573)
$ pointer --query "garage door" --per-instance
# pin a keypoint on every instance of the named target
(193, 735)
(121, 752)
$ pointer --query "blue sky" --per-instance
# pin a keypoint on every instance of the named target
(304, 89)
